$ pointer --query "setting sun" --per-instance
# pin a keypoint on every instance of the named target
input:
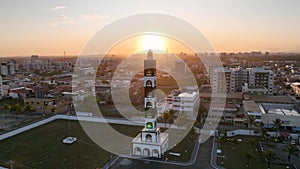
(152, 42)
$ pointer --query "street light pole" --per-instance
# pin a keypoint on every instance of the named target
(11, 164)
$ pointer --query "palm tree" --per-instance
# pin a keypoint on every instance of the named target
(292, 151)
(252, 143)
(223, 140)
(269, 156)
(277, 124)
(264, 134)
(165, 117)
(171, 114)
(234, 142)
(202, 111)
(7, 108)
(248, 157)
(251, 121)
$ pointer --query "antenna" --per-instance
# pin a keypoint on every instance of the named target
(64, 55)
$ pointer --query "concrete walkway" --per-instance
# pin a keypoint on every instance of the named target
(213, 161)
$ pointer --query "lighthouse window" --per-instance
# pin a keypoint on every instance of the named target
(149, 125)
(148, 104)
(149, 73)
(148, 138)
(149, 83)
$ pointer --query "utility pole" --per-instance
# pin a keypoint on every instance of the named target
(11, 164)
(64, 55)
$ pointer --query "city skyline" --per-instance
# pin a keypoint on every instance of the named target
(52, 27)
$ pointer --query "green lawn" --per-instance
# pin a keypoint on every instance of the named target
(235, 158)
(184, 147)
(42, 147)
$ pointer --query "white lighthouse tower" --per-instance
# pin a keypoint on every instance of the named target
(150, 142)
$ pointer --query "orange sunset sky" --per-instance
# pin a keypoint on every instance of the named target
(51, 27)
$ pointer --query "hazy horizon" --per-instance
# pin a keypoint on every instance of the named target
(52, 27)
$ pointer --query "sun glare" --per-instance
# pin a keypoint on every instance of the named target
(155, 42)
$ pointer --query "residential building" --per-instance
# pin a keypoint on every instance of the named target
(224, 79)
(187, 102)
(260, 77)
(4, 69)
(254, 90)
(48, 105)
(11, 67)
(1, 88)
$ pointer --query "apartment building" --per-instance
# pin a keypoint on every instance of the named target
(226, 79)
(187, 102)
(1, 87)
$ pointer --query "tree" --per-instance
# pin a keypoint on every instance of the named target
(292, 151)
(252, 143)
(235, 142)
(202, 111)
(29, 109)
(165, 117)
(7, 108)
(248, 157)
(251, 121)
(264, 134)
(269, 156)
(223, 140)
(277, 124)
(171, 114)
(17, 108)
(181, 119)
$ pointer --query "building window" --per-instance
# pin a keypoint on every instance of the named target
(149, 83)
(149, 125)
(148, 138)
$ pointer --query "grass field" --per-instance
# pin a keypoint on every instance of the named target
(236, 158)
(42, 147)
(184, 147)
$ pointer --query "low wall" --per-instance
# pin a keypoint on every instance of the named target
(247, 133)
(26, 128)
(65, 117)
(241, 132)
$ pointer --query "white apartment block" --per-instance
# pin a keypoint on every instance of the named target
(260, 77)
(1, 87)
(63, 66)
(225, 79)
(36, 65)
(8, 68)
(187, 102)
(11, 68)
(4, 69)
